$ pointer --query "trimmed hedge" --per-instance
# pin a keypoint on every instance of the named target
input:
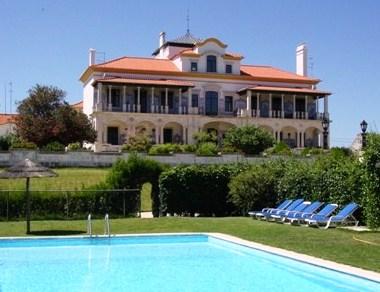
(70, 204)
(202, 189)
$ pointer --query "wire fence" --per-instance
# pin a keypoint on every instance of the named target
(70, 204)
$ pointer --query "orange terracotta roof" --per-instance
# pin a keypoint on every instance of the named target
(134, 63)
(7, 118)
(286, 89)
(159, 82)
(271, 72)
(78, 106)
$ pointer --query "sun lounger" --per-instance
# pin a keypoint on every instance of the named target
(344, 217)
(322, 214)
(283, 213)
(281, 206)
(309, 210)
(290, 207)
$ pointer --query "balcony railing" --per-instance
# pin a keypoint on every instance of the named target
(184, 110)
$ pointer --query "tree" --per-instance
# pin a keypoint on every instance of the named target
(249, 139)
(45, 117)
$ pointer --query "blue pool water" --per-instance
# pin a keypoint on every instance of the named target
(159, 263)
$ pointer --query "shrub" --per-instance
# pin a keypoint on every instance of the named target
(23, 145)
(311, 151)
(7, 140)
(204, 137)
(203, 189)
(227, 149)
(371, 185)
(165, 149)
(297, 181)
(189, 148)
(54, 147)
(140, 143)
(207, 149)
(249, 139)
(133, 173)
(74, 146)
(280, 148)
(255, 188)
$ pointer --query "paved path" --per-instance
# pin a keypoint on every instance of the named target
(146, 215)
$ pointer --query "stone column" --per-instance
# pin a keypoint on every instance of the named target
(326, 105)
(189, 97)
(258, 105)
(306, 107)
(138, 99)
(99, 105)
(180, 101)
(124, 98)
(109, 98)
(166, 100)
(282, 106)
(317, 106)
(157, 132)
(184, 136)
(270, 105)
(162, 135)
(294, 106)
(298, 140)
(249, 101)
(152, 101)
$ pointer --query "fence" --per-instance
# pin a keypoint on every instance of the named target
(70, 204)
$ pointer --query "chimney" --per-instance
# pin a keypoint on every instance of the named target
(91, 57)
(162, 39)
(301, 59)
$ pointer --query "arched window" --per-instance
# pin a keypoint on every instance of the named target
(211, 63)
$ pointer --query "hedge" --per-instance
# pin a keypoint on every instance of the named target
(69, 204)
(202, 189)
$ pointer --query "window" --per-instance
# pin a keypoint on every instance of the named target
(115, 97)
(211, 103)
(194, 100)
(228, 104)
(194, 66)
(228, 69)
(113, 135)
(211, 64)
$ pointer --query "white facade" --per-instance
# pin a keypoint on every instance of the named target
(194, 85)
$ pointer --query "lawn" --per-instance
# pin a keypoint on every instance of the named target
(334, 244)
(67, 179)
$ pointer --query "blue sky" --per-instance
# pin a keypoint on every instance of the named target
(47, 42)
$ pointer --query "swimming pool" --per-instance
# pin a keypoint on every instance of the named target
(194, 262)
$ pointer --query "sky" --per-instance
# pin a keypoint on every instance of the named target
(46, 42)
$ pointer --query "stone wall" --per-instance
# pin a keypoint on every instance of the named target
(92, 159)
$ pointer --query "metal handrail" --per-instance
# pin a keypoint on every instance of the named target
(107, 226)
(89, 225)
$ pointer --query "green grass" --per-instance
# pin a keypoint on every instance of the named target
(334, 244)
(67, 179)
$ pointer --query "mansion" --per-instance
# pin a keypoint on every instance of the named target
(191, 85)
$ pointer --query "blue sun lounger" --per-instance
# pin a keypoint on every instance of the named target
(290, 207)
(344, 217)
(322, 214)
(281, 206)
(309, 210)
(283, 213)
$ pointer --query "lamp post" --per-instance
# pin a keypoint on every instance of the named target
(363, 126)
(325, 127)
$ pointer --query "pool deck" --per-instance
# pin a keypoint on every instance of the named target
(370, 275)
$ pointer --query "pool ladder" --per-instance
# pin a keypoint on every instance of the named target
(107, 225)
(107, 230)
(89, 225)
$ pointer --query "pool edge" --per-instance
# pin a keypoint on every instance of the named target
(342, 268)
(327, 264)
